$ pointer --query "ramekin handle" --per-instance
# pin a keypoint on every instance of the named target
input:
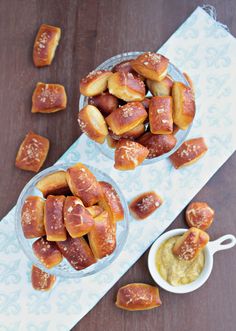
(218, 244)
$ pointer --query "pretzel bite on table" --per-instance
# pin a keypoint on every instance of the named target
(162, 88)
(126, 86)
(105, 102)
(32, 152)
(199, 215)
(160, 115)
(41, 280)
(94, 83)
(129, 154)
(92, 123)
(138, 296)
(45, 45)
(188, 246)
(32, 217)
(48, 98)
(95, 210)
(125, 66)
(145, 204)
(189, 152)
(151, 65)
(53, 184)
(47, 252)
(83, 184)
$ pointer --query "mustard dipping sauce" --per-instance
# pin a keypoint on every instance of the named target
(175, 271)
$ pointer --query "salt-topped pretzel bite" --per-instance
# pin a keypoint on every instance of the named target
(188, 246)
(151, 65)
(45, 45)
(199, 215)
(125, 66)
(126, 86)
(129, 154)
(189, 152)
(145, 204)
(160, 115)
(47, 252)
(48, 98)
(105, 102)
(92, 123)
(54, 184)
(32, 217)
(41, 280)
(162, 88)
(94, 83)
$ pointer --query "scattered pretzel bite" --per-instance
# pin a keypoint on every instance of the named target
(32, 217)
(111, 142)
(125, 66)
(126, 118)
(199, 215)
(131, 134)
(32, 152)
(160, 115)
(78, 220)
(83, 184)
(77, 252)
(53, 184)
(189, 152)
(105, 102)
(151, 65)
(41, 280)
(45, 45)
(189, 80)
(157, 144)
(162, 88)
(102, 237)
(53, 218)
(94, 83)
(145, 204)
(129, 154)
(47, 252)
(183, 105)
(138, 296)
(126, 86)
(190, 244)
(95, 210)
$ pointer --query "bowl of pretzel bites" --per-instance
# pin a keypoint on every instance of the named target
(71, 220)
(137, 107)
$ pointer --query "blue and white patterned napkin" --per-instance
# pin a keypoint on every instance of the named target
(207, 52)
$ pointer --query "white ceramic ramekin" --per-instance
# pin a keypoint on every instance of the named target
(210, 249)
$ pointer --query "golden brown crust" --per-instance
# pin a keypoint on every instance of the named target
(92, 122)
(129, 154)
(77, 252)
(105, 102)
(125, 66)
(199, 215)
(48, 98)
(94, 83)
(83, 184)
(32, 152)
(138, 296)
(145, 204)
(151, 65)
(54, 184)
(160, 115)
(45, 45)
(126, 118)
(47, 252)
(162, 88)
(53, 218)
(32, 217)
(95, 210)
(78, 221)
(41, 280)
(189, 152)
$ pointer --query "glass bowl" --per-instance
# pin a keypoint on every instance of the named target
(177, 75)
(64, 269)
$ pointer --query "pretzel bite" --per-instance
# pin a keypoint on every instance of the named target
(157, 144)
(32, 152)
(78, 220)
(188, 246)
(95, 210)
(138, 296)
(129, 154)
(126, 117)
(41, 280)
(102, 237)
(105, 102)
(53, 184)
(151, 65)
(125, 66)
(162, 88)
(47, 252)
(183, 105)
(53, 218)
(32, 217)
(45, 45)
(93, 124)
(131, 134)
(126, 87)
(94, 83)
(199, 215)
(77, 252)
(83, 184)
(145, 204)
(160, 115)
(189, 152)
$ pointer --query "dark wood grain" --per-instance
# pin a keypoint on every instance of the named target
(91, 32)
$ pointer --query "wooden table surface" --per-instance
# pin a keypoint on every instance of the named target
(93, 31)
